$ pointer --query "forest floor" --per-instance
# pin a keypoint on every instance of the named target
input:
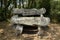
(7, 33)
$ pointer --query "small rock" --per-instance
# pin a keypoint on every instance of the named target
(1, 31)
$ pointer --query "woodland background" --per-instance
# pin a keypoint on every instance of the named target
(52, 7)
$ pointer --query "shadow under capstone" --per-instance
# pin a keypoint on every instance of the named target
(45, 28)
(30, 29)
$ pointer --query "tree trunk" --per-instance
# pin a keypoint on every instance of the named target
(15, 3)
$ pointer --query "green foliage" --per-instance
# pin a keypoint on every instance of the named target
(55, 11)
(4, 10)
(47, 6)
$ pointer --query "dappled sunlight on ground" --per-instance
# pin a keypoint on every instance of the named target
(7, 33)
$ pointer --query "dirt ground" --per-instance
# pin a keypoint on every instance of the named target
(7, 33)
